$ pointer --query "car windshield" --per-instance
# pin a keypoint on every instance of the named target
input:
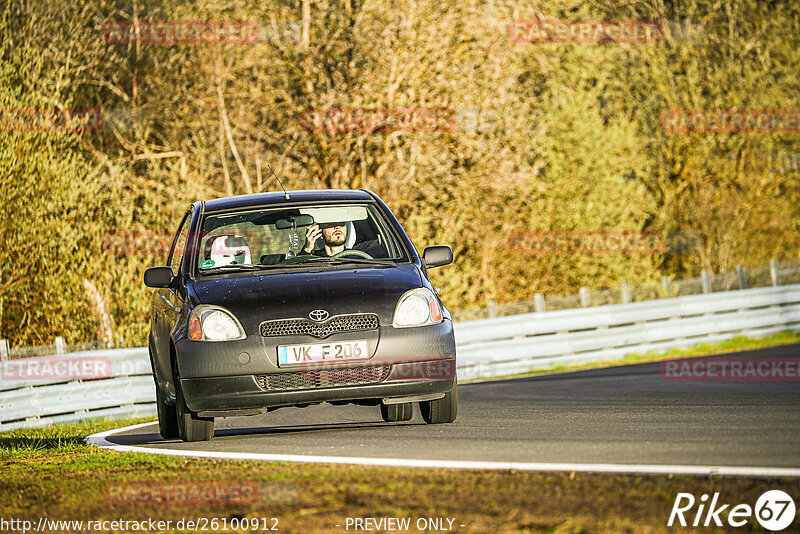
(296, 237)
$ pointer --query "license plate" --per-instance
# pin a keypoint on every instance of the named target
(322, 352)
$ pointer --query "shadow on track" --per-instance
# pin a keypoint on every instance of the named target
(155, 438)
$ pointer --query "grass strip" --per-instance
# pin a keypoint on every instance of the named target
(49, 472)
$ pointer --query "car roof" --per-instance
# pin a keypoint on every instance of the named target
(277, 198)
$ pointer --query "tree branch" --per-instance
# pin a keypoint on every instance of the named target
(226, 125)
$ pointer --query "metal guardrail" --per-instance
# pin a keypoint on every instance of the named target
(486, 348)
(786, 272)
(523, 343)
(127, 390)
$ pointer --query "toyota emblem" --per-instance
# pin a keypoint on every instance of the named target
(318, 315)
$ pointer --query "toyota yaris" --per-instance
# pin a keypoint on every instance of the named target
(274, 300)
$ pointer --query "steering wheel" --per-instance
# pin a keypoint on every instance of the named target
(353, 252)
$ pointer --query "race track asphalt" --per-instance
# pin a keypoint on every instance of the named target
(619, 415)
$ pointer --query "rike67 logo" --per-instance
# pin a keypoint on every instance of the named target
(774, 510)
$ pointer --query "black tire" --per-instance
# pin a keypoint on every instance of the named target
(167, 416)
(191, 427)
(444, 410)
(397, 412)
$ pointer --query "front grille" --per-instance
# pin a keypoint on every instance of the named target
(334, 325)
(324, 378)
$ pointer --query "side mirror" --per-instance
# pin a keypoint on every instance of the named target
(158, 277)
(438, 255)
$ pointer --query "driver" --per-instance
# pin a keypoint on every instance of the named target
(333, 238)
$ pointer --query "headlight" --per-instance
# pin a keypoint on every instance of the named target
(211, 323)
(417, 307)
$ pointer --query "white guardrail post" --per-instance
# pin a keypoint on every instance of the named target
(586, 299)
(627, 298)
(742, 276)
(705, 276)
(538, 303)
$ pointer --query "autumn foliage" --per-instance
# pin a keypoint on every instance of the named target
(470, 133)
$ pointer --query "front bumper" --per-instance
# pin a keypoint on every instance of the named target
(241, 395)
(228, 378)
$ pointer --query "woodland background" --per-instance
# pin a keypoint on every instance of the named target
(548, 136)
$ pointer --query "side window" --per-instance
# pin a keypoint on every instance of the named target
(179, 245)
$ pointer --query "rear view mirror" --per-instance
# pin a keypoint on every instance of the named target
(158, 277)
(437, 256)
(299, 220)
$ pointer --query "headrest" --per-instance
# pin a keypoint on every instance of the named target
(351, 235)
(227, 250)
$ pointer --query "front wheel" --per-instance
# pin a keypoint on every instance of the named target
(167, 416)
(397, 412)
(191, 427)
(442, 410)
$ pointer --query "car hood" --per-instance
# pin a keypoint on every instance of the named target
(267, 296)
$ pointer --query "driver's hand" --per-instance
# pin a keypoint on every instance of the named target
(313, 233)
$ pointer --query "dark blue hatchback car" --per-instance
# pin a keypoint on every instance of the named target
(274, 299)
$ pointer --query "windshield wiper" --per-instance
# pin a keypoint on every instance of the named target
(365, 261)
(233, 267)
(338, 261)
